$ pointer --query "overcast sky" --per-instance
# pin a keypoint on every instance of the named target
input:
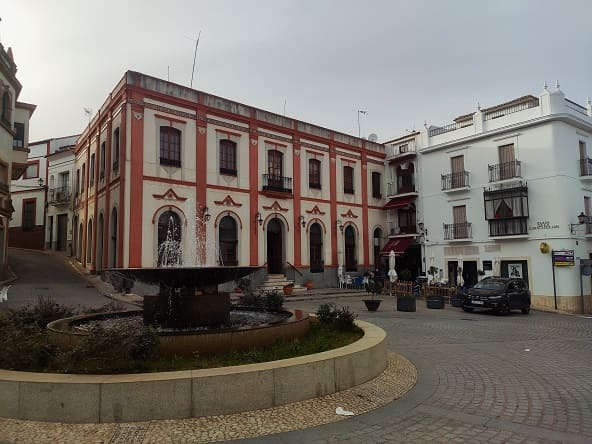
(404, 62)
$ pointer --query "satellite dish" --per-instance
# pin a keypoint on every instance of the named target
(373, 138)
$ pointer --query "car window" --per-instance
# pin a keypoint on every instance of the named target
(488, 284)
(512, 286)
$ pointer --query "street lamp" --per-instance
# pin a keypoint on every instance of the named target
(206, 214)
(258, 218)
(359, 128)
(340, 225)
(582, 219)
(302, 222)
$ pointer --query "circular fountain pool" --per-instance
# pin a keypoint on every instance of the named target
(247, 329)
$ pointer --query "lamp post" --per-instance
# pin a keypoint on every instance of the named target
(359, 128)
(582, 219)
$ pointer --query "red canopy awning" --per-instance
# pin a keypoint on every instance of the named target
(398, 245)
(399, 202)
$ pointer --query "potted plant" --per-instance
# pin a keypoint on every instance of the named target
(288, 289)
(456, 299)
(406, 275)
(374, 288)
(433, 299)
(406, 302)
(309, 285)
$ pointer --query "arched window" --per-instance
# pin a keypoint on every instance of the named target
(316, 248)
(80, 251)
(351, 263)
(100, 234)
(89, 235)
(170, 146)
(228, 157)
(170, 250)
(228, 239)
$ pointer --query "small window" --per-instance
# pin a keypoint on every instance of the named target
(6, 107)
(116, 149)
(77, 182)
(376, 191)
(228, 157)
(314, 173)
(348, 180)
(29, 214)
(19, 137)
(170, 146)
(32, 171)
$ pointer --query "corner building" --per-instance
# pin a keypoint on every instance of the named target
(162, 165)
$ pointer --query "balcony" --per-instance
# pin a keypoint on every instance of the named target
(458, 231)
(59, 195)
(458, 181)
(586, 168)
(404, 231)
(403, 151)
(393, 190)
(508, 227)
(277, 184)
(505, 171)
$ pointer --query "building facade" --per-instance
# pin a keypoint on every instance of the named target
(501, 191)
(167, 175)
(14, 139)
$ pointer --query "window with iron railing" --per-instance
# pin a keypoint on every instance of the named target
(504, 171)
(457, 231)
(455, 180)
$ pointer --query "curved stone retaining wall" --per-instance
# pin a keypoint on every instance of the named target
(191, 393)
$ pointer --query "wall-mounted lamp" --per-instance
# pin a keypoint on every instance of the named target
(421, 229)
(340, 225)
(206, 214)
(302, 222)
(259, 218)
(40, 181)
(582, 219)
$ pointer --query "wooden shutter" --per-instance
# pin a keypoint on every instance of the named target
(507, 161)
(457, 167)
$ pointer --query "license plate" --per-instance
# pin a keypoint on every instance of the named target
(477, 302)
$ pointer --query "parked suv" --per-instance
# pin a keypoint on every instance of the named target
(499, 294)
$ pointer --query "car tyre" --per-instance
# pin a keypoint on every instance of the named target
(526, 310)
(468, 309)
(503, 310)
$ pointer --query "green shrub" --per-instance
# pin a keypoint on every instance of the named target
(42, 313)
(342, 318)
(327, 313)
(23, 345)
(271, 299)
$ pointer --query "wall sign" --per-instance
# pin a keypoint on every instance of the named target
(543, 225)
(563, 258)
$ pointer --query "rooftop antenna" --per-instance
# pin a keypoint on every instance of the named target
(285, 107)
(168, 73)
(194, 57)
(88, 112)
(360, 111)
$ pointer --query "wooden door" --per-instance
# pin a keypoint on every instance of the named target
(457, 166)
(507, 161)
(459, 215)
(62, 232)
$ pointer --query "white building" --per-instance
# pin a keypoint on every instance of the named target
(501, 189)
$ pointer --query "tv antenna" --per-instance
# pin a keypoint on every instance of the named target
(194, 57)
(88, 112)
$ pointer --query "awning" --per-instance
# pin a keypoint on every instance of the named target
(399, 202)
(397, 245)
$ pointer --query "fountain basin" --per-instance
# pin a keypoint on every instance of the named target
(191, 393)
(295, 324)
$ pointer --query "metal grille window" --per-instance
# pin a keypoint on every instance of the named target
(316, 249)
(29, 214)
(228, 157)
(228, 239)
(348, 180)
(314, 173)
(170, 146)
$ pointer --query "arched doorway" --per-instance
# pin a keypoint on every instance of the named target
(79, 250)
(228, 241)
(316, 248)
(89, 237)
(275, 246)
(351, 264)
(170, 249)
(100, 236)
(376, 244)
(113, 240)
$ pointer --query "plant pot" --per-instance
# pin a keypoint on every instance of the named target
(456, 301)
(372, 304)
(309, 285)
(432, 302)
(406, 304)
(288, 290)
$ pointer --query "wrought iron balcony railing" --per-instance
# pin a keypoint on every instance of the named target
(280, 184)
(458, 231)
(508, 227)
(455, 180)
(586, 166)
(506, 170)
(59, 195)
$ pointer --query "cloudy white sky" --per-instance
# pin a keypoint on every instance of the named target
(404, 61)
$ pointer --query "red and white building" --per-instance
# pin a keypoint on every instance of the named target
(247, 186)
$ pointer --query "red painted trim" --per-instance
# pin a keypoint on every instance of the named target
(228, 213)
(275, 207)
(349, 214)
(276, 145)
(227, 133)
(170, 195)
(267, 218)
(93, 258)
(315, 210)
(170, 181)
(296, 158)
(316, 153)
(225, 188)
(254, 190)
(228, 201)
(365, 236)
(201, 171)
(170, 119)
(318, 221)
(136, 186)
(169, 207)
(122, 178)
(107, 188)
(333, 202)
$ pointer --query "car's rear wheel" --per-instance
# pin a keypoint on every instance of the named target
(526, 310)
(504, 309)
(468, 309)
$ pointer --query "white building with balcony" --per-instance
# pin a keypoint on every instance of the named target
(501, 190)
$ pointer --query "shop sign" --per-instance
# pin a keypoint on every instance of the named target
(563, 258)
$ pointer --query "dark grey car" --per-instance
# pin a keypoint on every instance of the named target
(498, 294)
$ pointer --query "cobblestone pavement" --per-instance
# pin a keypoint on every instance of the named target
(481, 378)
